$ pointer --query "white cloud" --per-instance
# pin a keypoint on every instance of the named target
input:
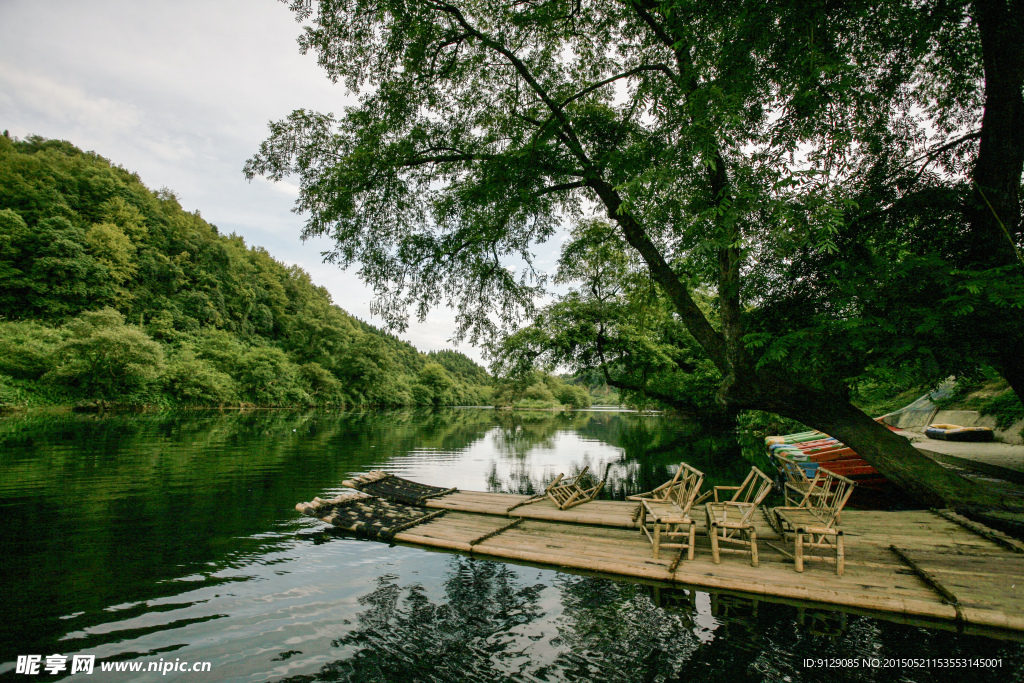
(38, 96)
(284, 187)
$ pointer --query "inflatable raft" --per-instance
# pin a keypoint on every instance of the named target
(946, 432)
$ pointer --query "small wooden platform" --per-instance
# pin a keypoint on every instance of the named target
(943, 572)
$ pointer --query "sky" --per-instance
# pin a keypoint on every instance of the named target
(181, 93)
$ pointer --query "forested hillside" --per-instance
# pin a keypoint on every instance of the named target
(112, 292)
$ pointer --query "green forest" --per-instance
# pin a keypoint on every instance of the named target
(111, 293)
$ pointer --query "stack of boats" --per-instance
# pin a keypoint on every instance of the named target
(811, 450)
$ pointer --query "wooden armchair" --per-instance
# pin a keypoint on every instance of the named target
(731, 521)
(814, 522)
(572, 492)
(666, 510)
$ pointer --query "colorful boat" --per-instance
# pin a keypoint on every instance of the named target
(811, 450)
(957, 433)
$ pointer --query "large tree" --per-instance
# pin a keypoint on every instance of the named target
(711, 134)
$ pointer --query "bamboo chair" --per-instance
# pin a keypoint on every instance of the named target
(731, 521)
(666, 510)
(797, 483)
(572, 492)
(814, 523)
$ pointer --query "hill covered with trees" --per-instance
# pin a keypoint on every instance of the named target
(112, 292)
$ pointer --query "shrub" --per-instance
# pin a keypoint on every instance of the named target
(28, 350)
(537, 396)
(573, 396)
(1006, 408)
(106, 359)
(196, 381)
(320, 384)
(433, 386)
(267, 377)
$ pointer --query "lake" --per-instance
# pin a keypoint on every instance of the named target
(172, 539)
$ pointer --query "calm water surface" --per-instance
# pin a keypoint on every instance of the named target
(157, 537)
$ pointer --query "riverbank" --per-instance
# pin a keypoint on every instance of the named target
(1004, 460)
(937, 407)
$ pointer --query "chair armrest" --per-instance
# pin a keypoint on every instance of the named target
(724, 488)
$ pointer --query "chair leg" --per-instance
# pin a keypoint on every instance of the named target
(798, 556)
(840, 554)
(752, 537)
(713, 534)
(693, 538)
(657, 538)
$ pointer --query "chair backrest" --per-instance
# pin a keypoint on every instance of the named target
(685, 487)
(793, 473)
(754, 489)
(827, 494)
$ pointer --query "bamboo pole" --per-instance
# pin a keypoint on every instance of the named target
(930, 579)
(984, 531)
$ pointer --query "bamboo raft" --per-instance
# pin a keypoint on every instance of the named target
(929, 567)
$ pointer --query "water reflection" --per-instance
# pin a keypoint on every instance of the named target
(134, 536)
(483, 624)
(494, 622)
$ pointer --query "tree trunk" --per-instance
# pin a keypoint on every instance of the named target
(993, 211)
(892, 455)
(1011, 366)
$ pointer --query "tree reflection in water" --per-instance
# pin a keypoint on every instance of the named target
(483, 631)
(611, 631)
(490, 626)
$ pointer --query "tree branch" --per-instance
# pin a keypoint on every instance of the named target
(559, 188)
(617, 77)
(574, 144)
(447, 157)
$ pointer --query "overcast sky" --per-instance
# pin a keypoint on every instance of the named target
(181, 93)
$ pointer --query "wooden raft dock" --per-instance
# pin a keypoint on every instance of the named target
(944, 568)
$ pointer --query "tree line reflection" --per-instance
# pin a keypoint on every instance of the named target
(494, 624)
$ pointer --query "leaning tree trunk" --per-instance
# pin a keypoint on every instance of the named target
(742, 388)
(892, 455)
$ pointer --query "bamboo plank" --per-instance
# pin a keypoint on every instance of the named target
(784, 574)
(787, 576)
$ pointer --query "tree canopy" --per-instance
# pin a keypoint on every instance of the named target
(758, 152)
